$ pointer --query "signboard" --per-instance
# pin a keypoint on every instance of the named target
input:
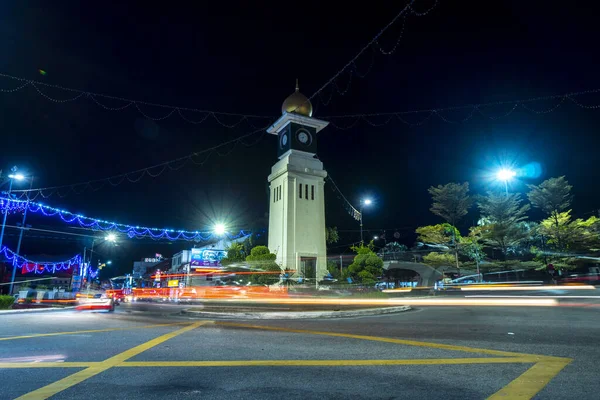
(157, 276)
(173, 283)
(76, 282)
(207, 258)
(152, 260)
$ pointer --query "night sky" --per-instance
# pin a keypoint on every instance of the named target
(241, 58)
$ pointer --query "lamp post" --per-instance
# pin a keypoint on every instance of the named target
(12, 176)
(363, 203)
(14, 271)
(505, 175)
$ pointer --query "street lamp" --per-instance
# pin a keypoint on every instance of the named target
(505, 175)
(18, 177)
(219, 229)
(111, 237)
(14, 175)
(364, 202)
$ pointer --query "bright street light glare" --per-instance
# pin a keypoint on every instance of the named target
(367, 202)
(108, 262)
(375, 237)
(219, 229)
(18, 177)
(505, 174)
(111, 237)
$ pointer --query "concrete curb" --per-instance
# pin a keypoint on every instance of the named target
(297, 315)
(30, 310)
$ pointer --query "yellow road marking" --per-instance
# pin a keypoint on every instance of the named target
(327, 363)
(88, 331)
(78, 377)
(524, 387)
(388, 340)
(531, 381)
(76, 364)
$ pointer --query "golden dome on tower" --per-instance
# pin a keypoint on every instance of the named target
(297, 103)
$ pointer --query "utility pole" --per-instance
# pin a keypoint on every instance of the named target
(14, 271)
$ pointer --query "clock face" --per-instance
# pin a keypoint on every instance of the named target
(304, 137)
(284, 140)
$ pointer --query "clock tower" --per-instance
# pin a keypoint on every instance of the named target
(297, 182)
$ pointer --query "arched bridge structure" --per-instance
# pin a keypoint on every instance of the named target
(427, 275)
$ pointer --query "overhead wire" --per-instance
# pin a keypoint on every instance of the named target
(217, 116)
(472, 109)
(135, 176)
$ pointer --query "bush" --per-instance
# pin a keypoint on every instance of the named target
(6, 302)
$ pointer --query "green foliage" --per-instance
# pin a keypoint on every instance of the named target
(6, 302)
(235, 253)
(331, 235)
(551, 196)
(443, 234)
(437, 260)
(450, 201)
(503, 215)
(510, 265)
(366, 266)
(565, 234)
(334, 269)
(262, 260)
(472, 247)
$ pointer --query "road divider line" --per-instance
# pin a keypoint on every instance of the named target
(329, 363)
(78, 377)
(531, 381)
(386, 340)
(89, 331)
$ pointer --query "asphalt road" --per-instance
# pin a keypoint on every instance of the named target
(427, 353)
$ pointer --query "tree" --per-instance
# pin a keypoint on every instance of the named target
(438, 260)
(567, 235)
(440, 234)
(263, 261)
(331, 235)
(366, 266)
(235, 253)
(472, 245)
(451, 202)
(553, 197)
(503, 214)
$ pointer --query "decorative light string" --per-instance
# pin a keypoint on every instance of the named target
(76, 94)
(153, 171)
(350, 66)
(13, 205)
(39, 267)
(350, 209)
(218, 116)
(383, 118)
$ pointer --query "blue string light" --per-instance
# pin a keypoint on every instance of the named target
(40, 267)
(13, 206)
